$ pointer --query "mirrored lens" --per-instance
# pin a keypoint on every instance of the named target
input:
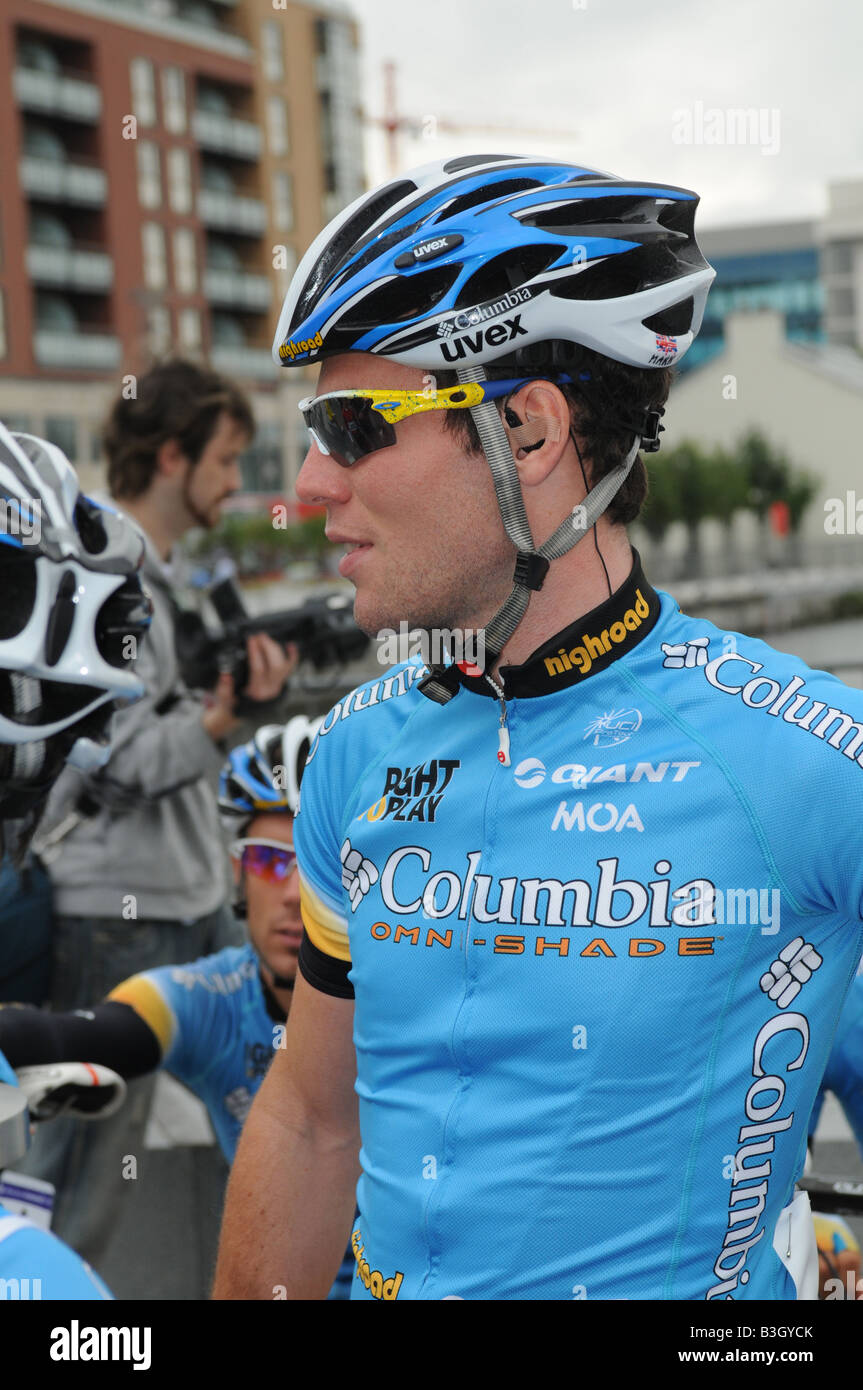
(268, 863)
(349, 427)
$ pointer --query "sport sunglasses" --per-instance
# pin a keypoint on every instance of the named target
(271, 860)
(348, 425)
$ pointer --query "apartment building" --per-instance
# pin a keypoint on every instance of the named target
(165, 162)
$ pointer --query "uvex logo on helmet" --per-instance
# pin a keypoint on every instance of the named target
(456, 348)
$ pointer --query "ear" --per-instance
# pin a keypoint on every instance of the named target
(537, 422)
(170, 459)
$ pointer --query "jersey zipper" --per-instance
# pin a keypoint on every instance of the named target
(502, 730)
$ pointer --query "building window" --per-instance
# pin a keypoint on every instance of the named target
(174, 99)
(272, 50)
(149, 175)
(189, 324)
(261, 464)
(159, 329)
(143, 90)
(155, 261)
(185, 261)
(277, 125)
(283, 202)
(62, 430)
(179, 180)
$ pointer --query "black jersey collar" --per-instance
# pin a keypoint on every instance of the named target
(588, 645)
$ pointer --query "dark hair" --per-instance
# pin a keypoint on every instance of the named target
(175, 399)
(614, 394)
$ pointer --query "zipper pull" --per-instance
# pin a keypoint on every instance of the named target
(503, 737)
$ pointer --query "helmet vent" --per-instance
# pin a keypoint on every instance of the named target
(487, 193)
(18, 585)
(473, 161)
(676, 319)
(622, 273)
(90, 528)
(399, 300)
(345, 240)
(507, 271)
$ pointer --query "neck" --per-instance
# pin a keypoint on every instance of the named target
(575, 584)
(283, 997)
(163, 519)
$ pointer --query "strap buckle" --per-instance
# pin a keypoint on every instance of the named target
(530, 570)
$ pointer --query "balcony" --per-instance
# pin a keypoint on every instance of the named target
(81, 349)
(54, 94)
(59, 181)
(227, 134)
(238, 289)
(232, 212)
(253, 363)
(70, 267)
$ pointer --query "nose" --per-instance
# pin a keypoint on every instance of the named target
(321, 481)
(291, 890)
(235, 477)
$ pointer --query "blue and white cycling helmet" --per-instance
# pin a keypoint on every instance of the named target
(264, 774)
(467, 261)
(412, 270)
(72, 597)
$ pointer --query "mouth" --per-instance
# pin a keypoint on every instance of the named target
(354, 550)
(289, 936)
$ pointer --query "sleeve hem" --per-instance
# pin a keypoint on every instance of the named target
(324, 972)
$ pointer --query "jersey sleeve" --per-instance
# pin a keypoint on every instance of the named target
(325, 954)
(163, 1005)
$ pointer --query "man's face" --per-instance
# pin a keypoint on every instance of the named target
(216, 475)
(425, 542)
(274, 922)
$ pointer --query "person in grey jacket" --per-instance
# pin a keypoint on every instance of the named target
(135, 855)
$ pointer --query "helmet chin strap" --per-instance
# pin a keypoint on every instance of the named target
(532, 562)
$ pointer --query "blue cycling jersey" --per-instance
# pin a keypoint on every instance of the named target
(595, 983)
(34, 1264)
(844, 1074)
(217, 1036)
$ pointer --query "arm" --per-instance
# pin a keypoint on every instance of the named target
(290, 1199)
(110, 1033)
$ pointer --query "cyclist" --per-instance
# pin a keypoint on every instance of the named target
(71, 595)
(212, 1023)
(517, 892)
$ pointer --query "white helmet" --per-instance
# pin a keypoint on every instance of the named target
(72, 612)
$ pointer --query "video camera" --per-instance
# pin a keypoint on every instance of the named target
(323, 629)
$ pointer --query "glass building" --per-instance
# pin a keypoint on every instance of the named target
(768, 266)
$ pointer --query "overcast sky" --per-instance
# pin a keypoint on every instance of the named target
(635, 88)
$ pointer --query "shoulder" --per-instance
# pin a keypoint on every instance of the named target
(226, 972)
(753, 700)
(375, 711)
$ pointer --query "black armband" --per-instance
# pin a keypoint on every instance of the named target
(323, 972)
(111, 1033)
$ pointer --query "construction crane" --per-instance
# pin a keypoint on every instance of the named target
(394, 123)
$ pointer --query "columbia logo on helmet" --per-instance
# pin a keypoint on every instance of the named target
(499, 333)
